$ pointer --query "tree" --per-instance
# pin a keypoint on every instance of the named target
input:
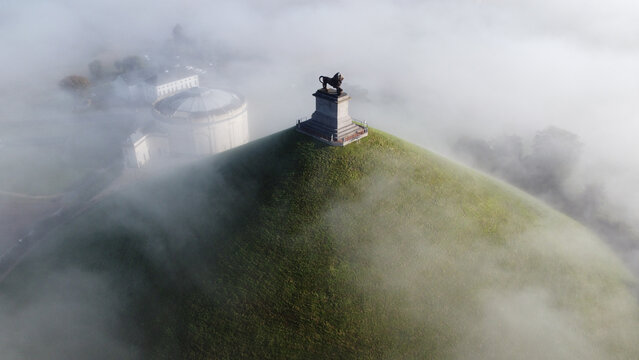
(178, 33)
(555, 153)
(75, 84)
(129, 63)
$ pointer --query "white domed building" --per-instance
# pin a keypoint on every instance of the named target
(202, 121)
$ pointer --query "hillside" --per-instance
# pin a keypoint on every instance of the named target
(287, 248)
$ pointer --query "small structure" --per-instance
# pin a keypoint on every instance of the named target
(141, 147)
(331, 123)
(168, 83)
(144, 86)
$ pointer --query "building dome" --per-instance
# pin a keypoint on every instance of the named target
(201, 121)
(198, 104)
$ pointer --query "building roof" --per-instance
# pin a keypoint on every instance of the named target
(196, 102)
(136, 137)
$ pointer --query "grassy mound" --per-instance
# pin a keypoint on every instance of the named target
(287, 248)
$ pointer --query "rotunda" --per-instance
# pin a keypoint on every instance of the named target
(202, 121)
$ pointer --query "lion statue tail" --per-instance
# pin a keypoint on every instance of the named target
(320, 79)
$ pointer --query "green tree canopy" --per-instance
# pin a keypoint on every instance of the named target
(75, 84)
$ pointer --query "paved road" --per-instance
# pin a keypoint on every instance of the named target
(19, 212)
(88, 192)
(71, 204)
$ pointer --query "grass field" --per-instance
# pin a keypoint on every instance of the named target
(36, 170)
(289, 249)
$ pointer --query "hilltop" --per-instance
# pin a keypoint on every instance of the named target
(288, 248)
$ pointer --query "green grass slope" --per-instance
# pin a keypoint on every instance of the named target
(289, 249)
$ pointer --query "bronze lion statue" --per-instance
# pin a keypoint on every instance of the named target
(335, 81)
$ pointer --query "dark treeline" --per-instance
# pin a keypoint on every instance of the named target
(543, 169)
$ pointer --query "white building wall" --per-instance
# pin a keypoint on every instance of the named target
(240, 130)
(232, 132)
(149, 146)
(173, 87)
(204, 143)
(138, 153)
(205, 138)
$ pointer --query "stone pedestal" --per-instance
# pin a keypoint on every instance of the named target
(331, 122)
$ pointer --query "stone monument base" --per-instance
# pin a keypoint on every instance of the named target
(330, 123)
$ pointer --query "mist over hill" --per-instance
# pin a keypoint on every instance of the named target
(551, 167)
(405, 258)
(288, 248)
(461, 67)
